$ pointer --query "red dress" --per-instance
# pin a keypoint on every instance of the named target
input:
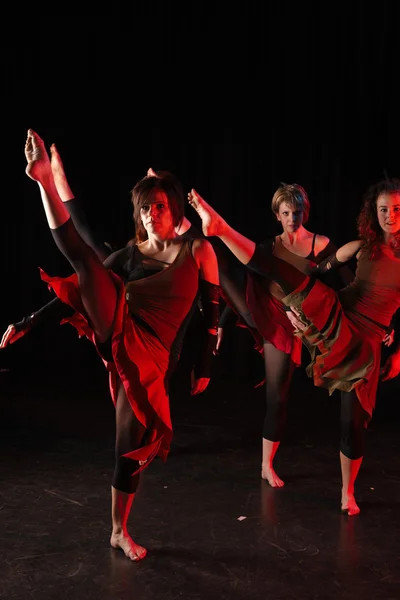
(264, 298)
(148, 316)
(345, 329)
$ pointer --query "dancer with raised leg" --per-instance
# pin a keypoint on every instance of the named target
(132, 309)
(344, 330)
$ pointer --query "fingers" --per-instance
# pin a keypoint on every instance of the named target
(7, 335)
(199, 385)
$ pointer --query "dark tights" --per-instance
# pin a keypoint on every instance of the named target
(96, 286)
(129, 436)
(285, 274)
(99, 297)
(353, 418)
(278, 373)
(353, 422)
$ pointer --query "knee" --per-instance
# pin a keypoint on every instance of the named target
(352, 443)
(126, 475)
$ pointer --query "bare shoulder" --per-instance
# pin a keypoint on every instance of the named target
(321, 242)
(205, 257)
(202, 248)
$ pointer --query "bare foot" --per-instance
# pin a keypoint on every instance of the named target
(60, 179)
(38, 167)
(269, 474)
(212, 222)
(125, 543)
(349, 505)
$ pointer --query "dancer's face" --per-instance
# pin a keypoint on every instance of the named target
(157, 217)
(388, 209)
(290, 218)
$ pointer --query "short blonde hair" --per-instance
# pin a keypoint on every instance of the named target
(294, 195)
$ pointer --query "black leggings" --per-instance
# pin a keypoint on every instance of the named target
(82, 226)
(283, 273)
(130, 435)
(353, 417)
(99, 296)
(278, 374)
(353, 423)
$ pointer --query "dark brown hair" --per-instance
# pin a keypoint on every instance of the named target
(144, 192)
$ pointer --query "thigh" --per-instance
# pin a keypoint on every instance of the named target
(278, 366)
(99, 296)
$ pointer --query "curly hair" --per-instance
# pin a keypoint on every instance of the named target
(368, 226)
(144, 191)
(294, 195)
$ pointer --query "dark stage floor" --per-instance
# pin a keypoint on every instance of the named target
(57, 431)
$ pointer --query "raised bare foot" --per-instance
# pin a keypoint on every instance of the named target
(349, 505)
(60, 179)
(269, 474)
(38, 167)
(125, 543)
(212, 222)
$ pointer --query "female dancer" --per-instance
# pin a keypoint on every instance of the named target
(196, 329)
(344, 330)
(132, 309)
(276, 322)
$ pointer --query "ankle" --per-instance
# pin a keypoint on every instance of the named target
(118, 530)
(266, 464)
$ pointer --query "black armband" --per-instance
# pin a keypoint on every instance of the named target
(202, 368)
(54, 311)
(331, 263)
(25, 324)
(209, 298)
(225, 316)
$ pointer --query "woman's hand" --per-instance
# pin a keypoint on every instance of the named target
(389, 338)
(11, 335)
(220, 336)
(391, 368)
(294, 317)
(198, 385)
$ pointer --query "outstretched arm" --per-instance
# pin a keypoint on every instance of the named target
(337, 259)
(53, 310)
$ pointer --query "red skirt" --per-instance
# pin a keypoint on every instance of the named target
(345, 346)
(140, 362)
(270, 319)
